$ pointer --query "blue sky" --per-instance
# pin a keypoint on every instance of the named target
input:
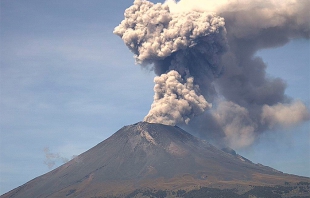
(68, 83)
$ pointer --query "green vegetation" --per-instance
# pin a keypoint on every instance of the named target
(264, 191)
(211, 193)
(148, 193)
(289, 190)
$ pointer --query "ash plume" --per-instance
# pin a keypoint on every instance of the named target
(214, 44)
(183, 48)
(52, 158)
(175, 101)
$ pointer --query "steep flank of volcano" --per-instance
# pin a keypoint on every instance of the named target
(153, 156)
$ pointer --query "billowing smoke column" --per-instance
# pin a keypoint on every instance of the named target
(181, 47)
(52, 158)
(175, 100)
(204, 50)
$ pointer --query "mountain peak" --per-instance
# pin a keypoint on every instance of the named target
(147, 155)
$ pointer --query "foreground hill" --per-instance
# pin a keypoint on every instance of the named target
(154, 160)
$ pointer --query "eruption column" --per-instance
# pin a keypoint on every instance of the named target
(201, 59)
(175, 101)
(180, 47)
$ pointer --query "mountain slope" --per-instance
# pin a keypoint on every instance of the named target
(147, 155)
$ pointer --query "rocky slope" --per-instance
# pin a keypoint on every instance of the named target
(151, 156)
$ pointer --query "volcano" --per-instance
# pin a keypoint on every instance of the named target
(156, 158)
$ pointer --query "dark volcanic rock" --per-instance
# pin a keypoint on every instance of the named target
(147, 155)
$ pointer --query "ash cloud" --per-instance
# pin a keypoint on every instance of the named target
(214, 45)
(183, 48)
(284, 114)
(176, 100)
(52, 158)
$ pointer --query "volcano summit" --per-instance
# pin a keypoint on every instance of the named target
(146, 158)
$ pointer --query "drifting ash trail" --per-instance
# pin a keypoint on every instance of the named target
(208, 76)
